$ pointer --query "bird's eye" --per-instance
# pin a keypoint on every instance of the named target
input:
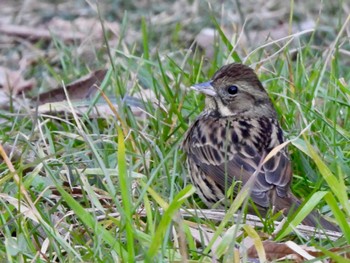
(232, 90)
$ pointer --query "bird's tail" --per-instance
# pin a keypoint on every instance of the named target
(313, 219)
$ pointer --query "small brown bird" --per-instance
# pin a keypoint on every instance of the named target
(232, 136)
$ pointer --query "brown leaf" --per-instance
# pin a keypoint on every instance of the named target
(35, 33)
(13, 82)
(68, 31)
(82, 88)
(343, 251)
(275, 251)
(293, 251)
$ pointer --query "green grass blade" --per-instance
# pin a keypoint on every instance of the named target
(126, 195)
(338, 188)
(340, 218)
(167, 216)
(91, 222)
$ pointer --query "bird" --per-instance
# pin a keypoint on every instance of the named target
(227, 143)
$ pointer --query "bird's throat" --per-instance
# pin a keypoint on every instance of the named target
(216, 105)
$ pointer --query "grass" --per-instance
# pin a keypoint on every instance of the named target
(110, 189)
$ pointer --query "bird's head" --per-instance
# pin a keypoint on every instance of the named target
(236, 90)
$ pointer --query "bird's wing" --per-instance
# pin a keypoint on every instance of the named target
(222, 151)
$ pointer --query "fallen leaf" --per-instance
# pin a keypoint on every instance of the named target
(290, 250)
(35, 33)
(273, 251)
(77, 30)
(13, 83)
(80, 89)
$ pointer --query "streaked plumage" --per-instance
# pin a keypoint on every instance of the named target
(231, 137)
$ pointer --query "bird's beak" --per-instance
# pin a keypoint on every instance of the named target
(205, 88)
